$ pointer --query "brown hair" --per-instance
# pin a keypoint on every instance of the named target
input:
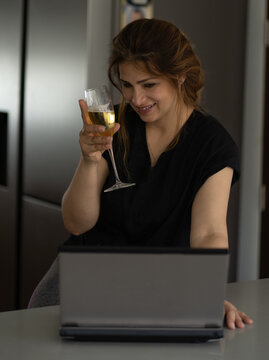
(165, 51)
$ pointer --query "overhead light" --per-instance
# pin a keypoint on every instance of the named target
(139, 2)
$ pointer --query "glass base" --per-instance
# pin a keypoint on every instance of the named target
(118, 186)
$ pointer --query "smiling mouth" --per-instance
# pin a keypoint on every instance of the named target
(145, 108)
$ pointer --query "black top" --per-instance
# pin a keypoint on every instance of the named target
(157, 211)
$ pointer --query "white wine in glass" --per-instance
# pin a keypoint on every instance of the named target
(101, 112)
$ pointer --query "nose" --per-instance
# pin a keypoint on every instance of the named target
(138, 97)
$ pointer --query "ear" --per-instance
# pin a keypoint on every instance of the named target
(181, 79)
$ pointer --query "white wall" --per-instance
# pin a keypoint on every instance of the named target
(99, 35)
(252, 145)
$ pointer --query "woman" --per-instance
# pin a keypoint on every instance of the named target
(182, 160)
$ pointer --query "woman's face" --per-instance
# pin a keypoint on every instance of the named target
(153, 97)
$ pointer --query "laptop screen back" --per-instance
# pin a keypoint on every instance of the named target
(128, 287)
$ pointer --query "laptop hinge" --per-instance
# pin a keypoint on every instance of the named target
(211, 326)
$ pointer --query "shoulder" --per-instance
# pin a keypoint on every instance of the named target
(207, 131)
(212, 144)
(208, 124)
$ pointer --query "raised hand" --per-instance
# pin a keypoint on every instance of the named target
(91, 143)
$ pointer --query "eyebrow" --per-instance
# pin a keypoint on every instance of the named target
(140, 81)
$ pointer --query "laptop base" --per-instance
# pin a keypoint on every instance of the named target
(141, 335)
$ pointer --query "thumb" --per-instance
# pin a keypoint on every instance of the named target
(84, 112)
(116, 128)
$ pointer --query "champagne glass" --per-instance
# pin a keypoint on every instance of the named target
(101, 112)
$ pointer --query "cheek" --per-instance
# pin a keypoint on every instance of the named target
(159, 93)
(127, 94)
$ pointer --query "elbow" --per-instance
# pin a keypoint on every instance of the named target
(211, 241)
(76, 228)
(78, 221)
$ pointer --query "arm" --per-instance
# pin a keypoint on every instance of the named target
(209, 210)
(209, 229)
(81, 201)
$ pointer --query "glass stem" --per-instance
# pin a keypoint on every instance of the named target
(111, 154)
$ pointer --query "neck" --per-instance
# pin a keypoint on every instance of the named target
(170, 127)
(159, 136)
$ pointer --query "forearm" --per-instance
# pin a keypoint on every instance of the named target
(213, 240)
(81, 201)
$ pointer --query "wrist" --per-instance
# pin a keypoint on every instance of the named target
(88, 163)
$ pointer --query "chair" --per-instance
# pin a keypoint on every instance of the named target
(47, 291)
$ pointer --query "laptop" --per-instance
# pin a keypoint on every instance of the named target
(142, 294)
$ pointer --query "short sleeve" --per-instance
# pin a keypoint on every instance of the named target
(219, 152)
(226, 156)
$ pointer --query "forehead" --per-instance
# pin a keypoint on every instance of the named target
(131, 69)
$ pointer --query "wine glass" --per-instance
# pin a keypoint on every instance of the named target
(101, 112)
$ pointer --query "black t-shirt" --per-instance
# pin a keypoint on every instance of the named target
(157, 210)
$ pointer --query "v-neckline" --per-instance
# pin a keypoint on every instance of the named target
(147, 149)
(165, 151)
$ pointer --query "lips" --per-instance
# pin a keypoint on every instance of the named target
(144, 109)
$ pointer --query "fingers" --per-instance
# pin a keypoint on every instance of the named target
(230, 314)
(234, 317)
(116, 128)
(90, 142)
(238, 320)
(245, 318)
(86, 120)
(93, 130)
(84, 112)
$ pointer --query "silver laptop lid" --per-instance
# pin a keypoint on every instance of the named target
(142, 287)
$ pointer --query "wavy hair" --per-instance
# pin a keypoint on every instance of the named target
(164, 50)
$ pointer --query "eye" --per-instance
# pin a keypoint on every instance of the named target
(149, 85)
(126, 84)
